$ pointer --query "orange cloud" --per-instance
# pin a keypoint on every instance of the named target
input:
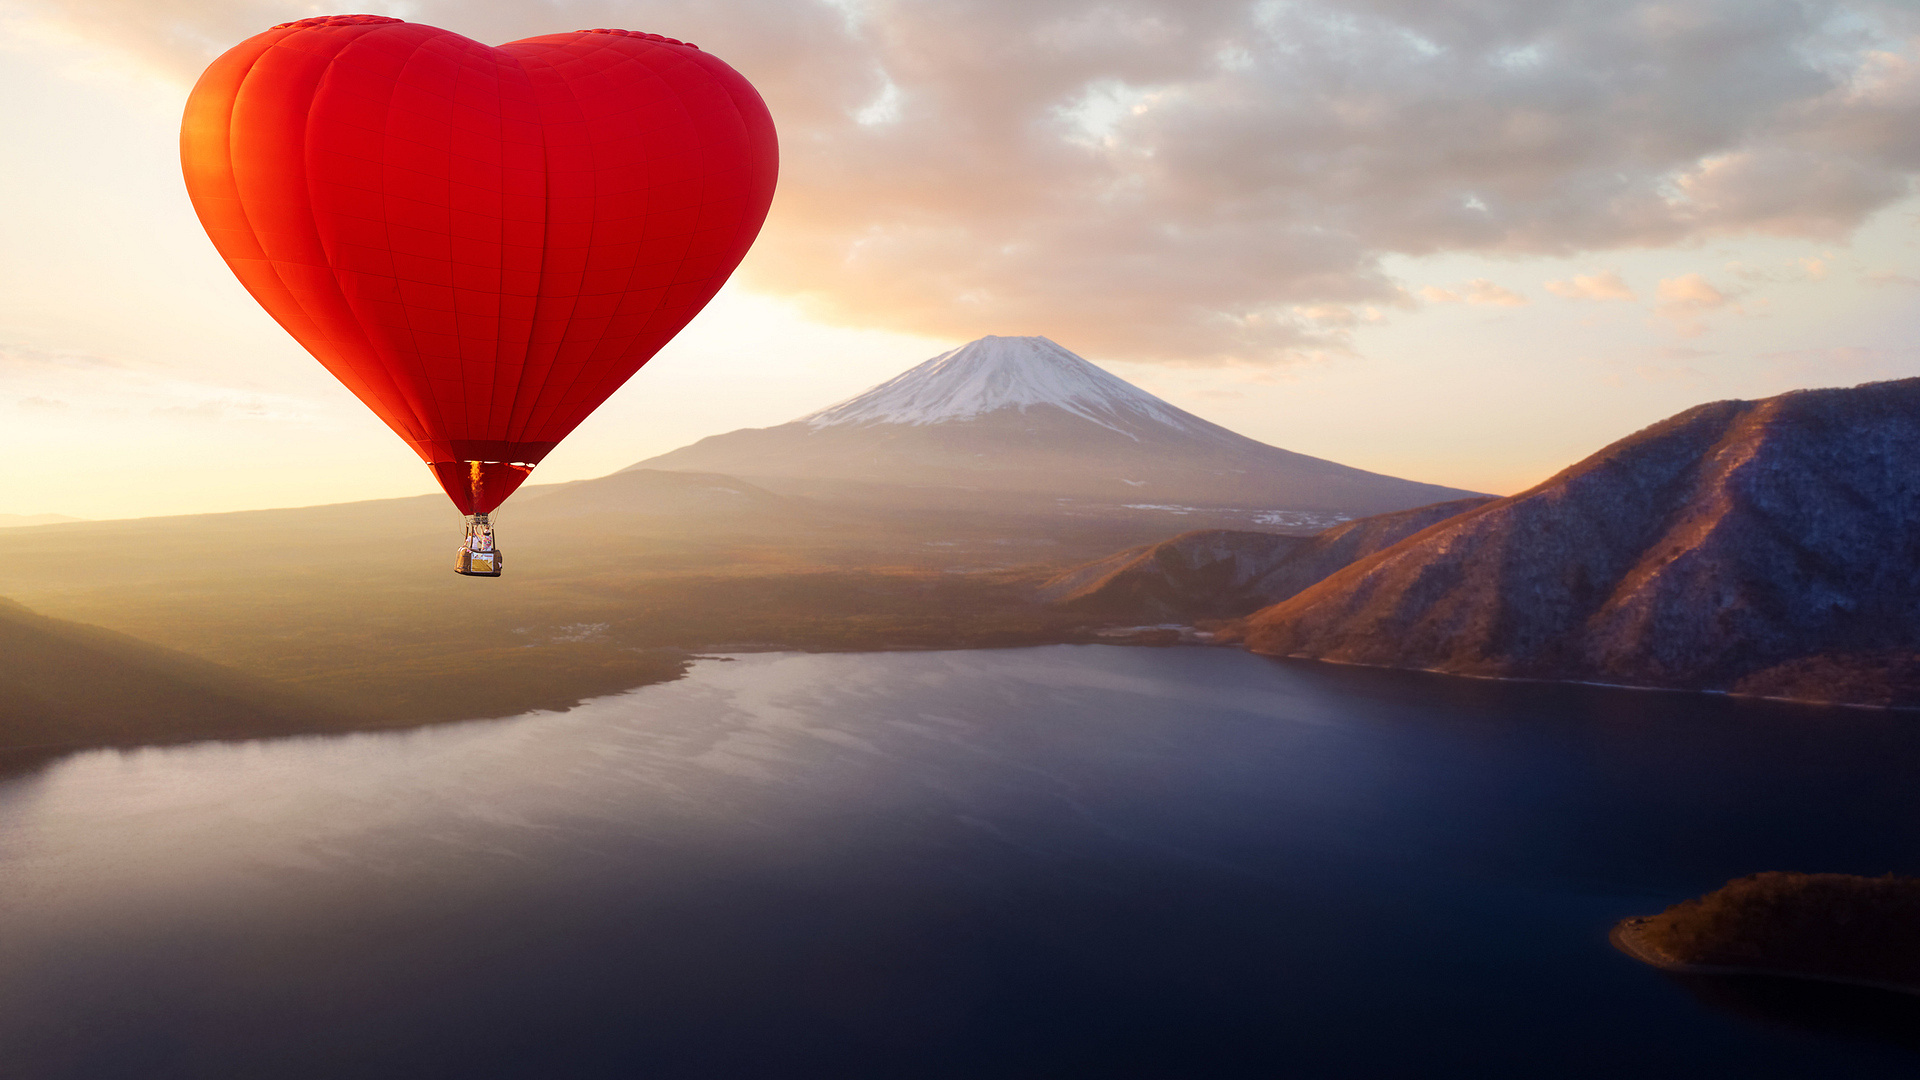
(1685, 299)
(1605, 285)
(1477, 291)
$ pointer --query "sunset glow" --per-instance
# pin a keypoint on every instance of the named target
(1457, 251)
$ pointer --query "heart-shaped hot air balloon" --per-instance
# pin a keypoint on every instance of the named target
(482, 243)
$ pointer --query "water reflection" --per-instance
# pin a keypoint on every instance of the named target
(1827, 1009)
(26, 761)
(1063, 862)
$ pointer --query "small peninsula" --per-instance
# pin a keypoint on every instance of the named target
(1864, 931)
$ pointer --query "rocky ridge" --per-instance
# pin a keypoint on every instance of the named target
(1767, 547)
(1227, 573)
(1206, 573)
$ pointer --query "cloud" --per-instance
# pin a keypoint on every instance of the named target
(1477, 291)
(1685, 299)
(1160, 180)
(1604, 285)
(1692, 292)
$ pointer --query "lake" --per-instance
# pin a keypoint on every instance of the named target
(1074, 861)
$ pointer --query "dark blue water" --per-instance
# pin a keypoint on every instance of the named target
(1059, 862)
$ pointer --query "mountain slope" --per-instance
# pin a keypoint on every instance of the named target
(68, 684)
(690, 500)
(1207, 573)
(1226, 573)
(1762, 546)
(1025, 415)
(1336, 548)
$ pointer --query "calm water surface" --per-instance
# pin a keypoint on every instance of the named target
(1057, 862)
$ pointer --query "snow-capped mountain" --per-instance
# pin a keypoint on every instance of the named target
(1022, 414)
(996, 373)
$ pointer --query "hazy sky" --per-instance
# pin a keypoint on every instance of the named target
(1460, 241)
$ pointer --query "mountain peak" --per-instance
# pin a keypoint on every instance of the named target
(1022, 414)
(995, 373)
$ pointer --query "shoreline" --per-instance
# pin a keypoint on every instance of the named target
(1625, 936)
(1737, 695)
(1132, 636)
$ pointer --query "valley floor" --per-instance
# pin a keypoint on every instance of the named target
(355, 625)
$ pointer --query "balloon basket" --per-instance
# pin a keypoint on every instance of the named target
(477, 563)
(478, 557)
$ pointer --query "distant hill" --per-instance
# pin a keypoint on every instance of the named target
(1226, 573)
(1768, 547)
(68, 684)
(1207, 573)
(14, 521)
(691, 497)
(1023, 415)
(1335, 548)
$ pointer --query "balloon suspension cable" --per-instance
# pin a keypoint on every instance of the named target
(479, 533)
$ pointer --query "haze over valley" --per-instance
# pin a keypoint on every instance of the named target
(1025, 529)
(831, 545)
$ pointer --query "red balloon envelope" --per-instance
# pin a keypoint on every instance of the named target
(481, 243)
